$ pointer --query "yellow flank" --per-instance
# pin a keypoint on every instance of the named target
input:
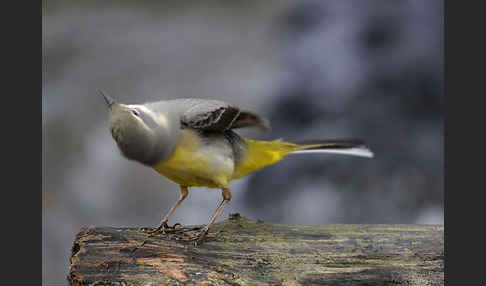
(192, 164)
(213, 165)
(261, 154)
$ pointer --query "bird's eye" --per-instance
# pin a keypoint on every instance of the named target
(135, 112)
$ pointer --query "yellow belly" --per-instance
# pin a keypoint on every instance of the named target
(196, 164)
(203, 164)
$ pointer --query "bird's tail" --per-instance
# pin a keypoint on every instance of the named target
(353, 147)
(263, 153)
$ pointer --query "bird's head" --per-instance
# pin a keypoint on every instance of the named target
(140, 133)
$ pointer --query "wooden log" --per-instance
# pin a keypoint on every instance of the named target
(252, 252)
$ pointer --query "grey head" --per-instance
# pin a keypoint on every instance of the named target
(141, 133)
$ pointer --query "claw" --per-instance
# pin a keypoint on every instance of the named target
(198, 238)
(146, 229)
(163, 228)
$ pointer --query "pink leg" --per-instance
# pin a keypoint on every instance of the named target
(226, 198)
(163, 225)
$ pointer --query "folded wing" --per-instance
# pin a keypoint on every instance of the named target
(215, 115)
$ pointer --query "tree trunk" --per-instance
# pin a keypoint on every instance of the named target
(251, 252)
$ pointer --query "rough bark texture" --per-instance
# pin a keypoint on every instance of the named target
(251, 252)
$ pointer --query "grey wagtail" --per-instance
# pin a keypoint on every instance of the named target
(191, 142)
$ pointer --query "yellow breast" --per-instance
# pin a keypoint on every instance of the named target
(194, 163)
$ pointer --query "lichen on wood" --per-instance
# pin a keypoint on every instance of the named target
(249, 252)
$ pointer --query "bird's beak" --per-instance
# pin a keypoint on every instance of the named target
(109, 101)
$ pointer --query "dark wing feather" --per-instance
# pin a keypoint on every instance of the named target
(214, 115)
(219, 119)
(247, 119)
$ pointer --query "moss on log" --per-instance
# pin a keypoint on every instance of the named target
(252, 252)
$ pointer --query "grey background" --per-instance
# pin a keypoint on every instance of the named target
(315, 69)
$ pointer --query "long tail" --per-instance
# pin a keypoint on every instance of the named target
(353, 147)
(264, 153)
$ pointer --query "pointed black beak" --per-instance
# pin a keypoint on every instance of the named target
(109, 101)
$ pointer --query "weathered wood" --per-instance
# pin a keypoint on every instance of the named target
(251, 252)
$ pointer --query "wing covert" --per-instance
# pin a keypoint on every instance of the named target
(215, 115)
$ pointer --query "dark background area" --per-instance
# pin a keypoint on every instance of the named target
(315, 69)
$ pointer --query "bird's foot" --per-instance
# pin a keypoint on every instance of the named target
(198, 238)
(164, 228)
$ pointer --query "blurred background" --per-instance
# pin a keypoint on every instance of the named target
(315, 69)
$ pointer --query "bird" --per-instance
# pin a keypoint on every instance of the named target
(193, 143)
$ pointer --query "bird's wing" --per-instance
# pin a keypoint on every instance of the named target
(215, 115)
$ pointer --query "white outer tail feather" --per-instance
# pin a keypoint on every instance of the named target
(355, 151)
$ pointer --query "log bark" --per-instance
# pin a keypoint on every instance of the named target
(250, 252)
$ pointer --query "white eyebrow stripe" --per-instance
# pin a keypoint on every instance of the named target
(161, 119)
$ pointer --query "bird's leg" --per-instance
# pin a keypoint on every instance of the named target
(163, 225)
(199, 238)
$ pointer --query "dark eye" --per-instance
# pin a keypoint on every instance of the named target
(135, 112)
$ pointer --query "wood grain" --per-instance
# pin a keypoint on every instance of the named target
(252, 252)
